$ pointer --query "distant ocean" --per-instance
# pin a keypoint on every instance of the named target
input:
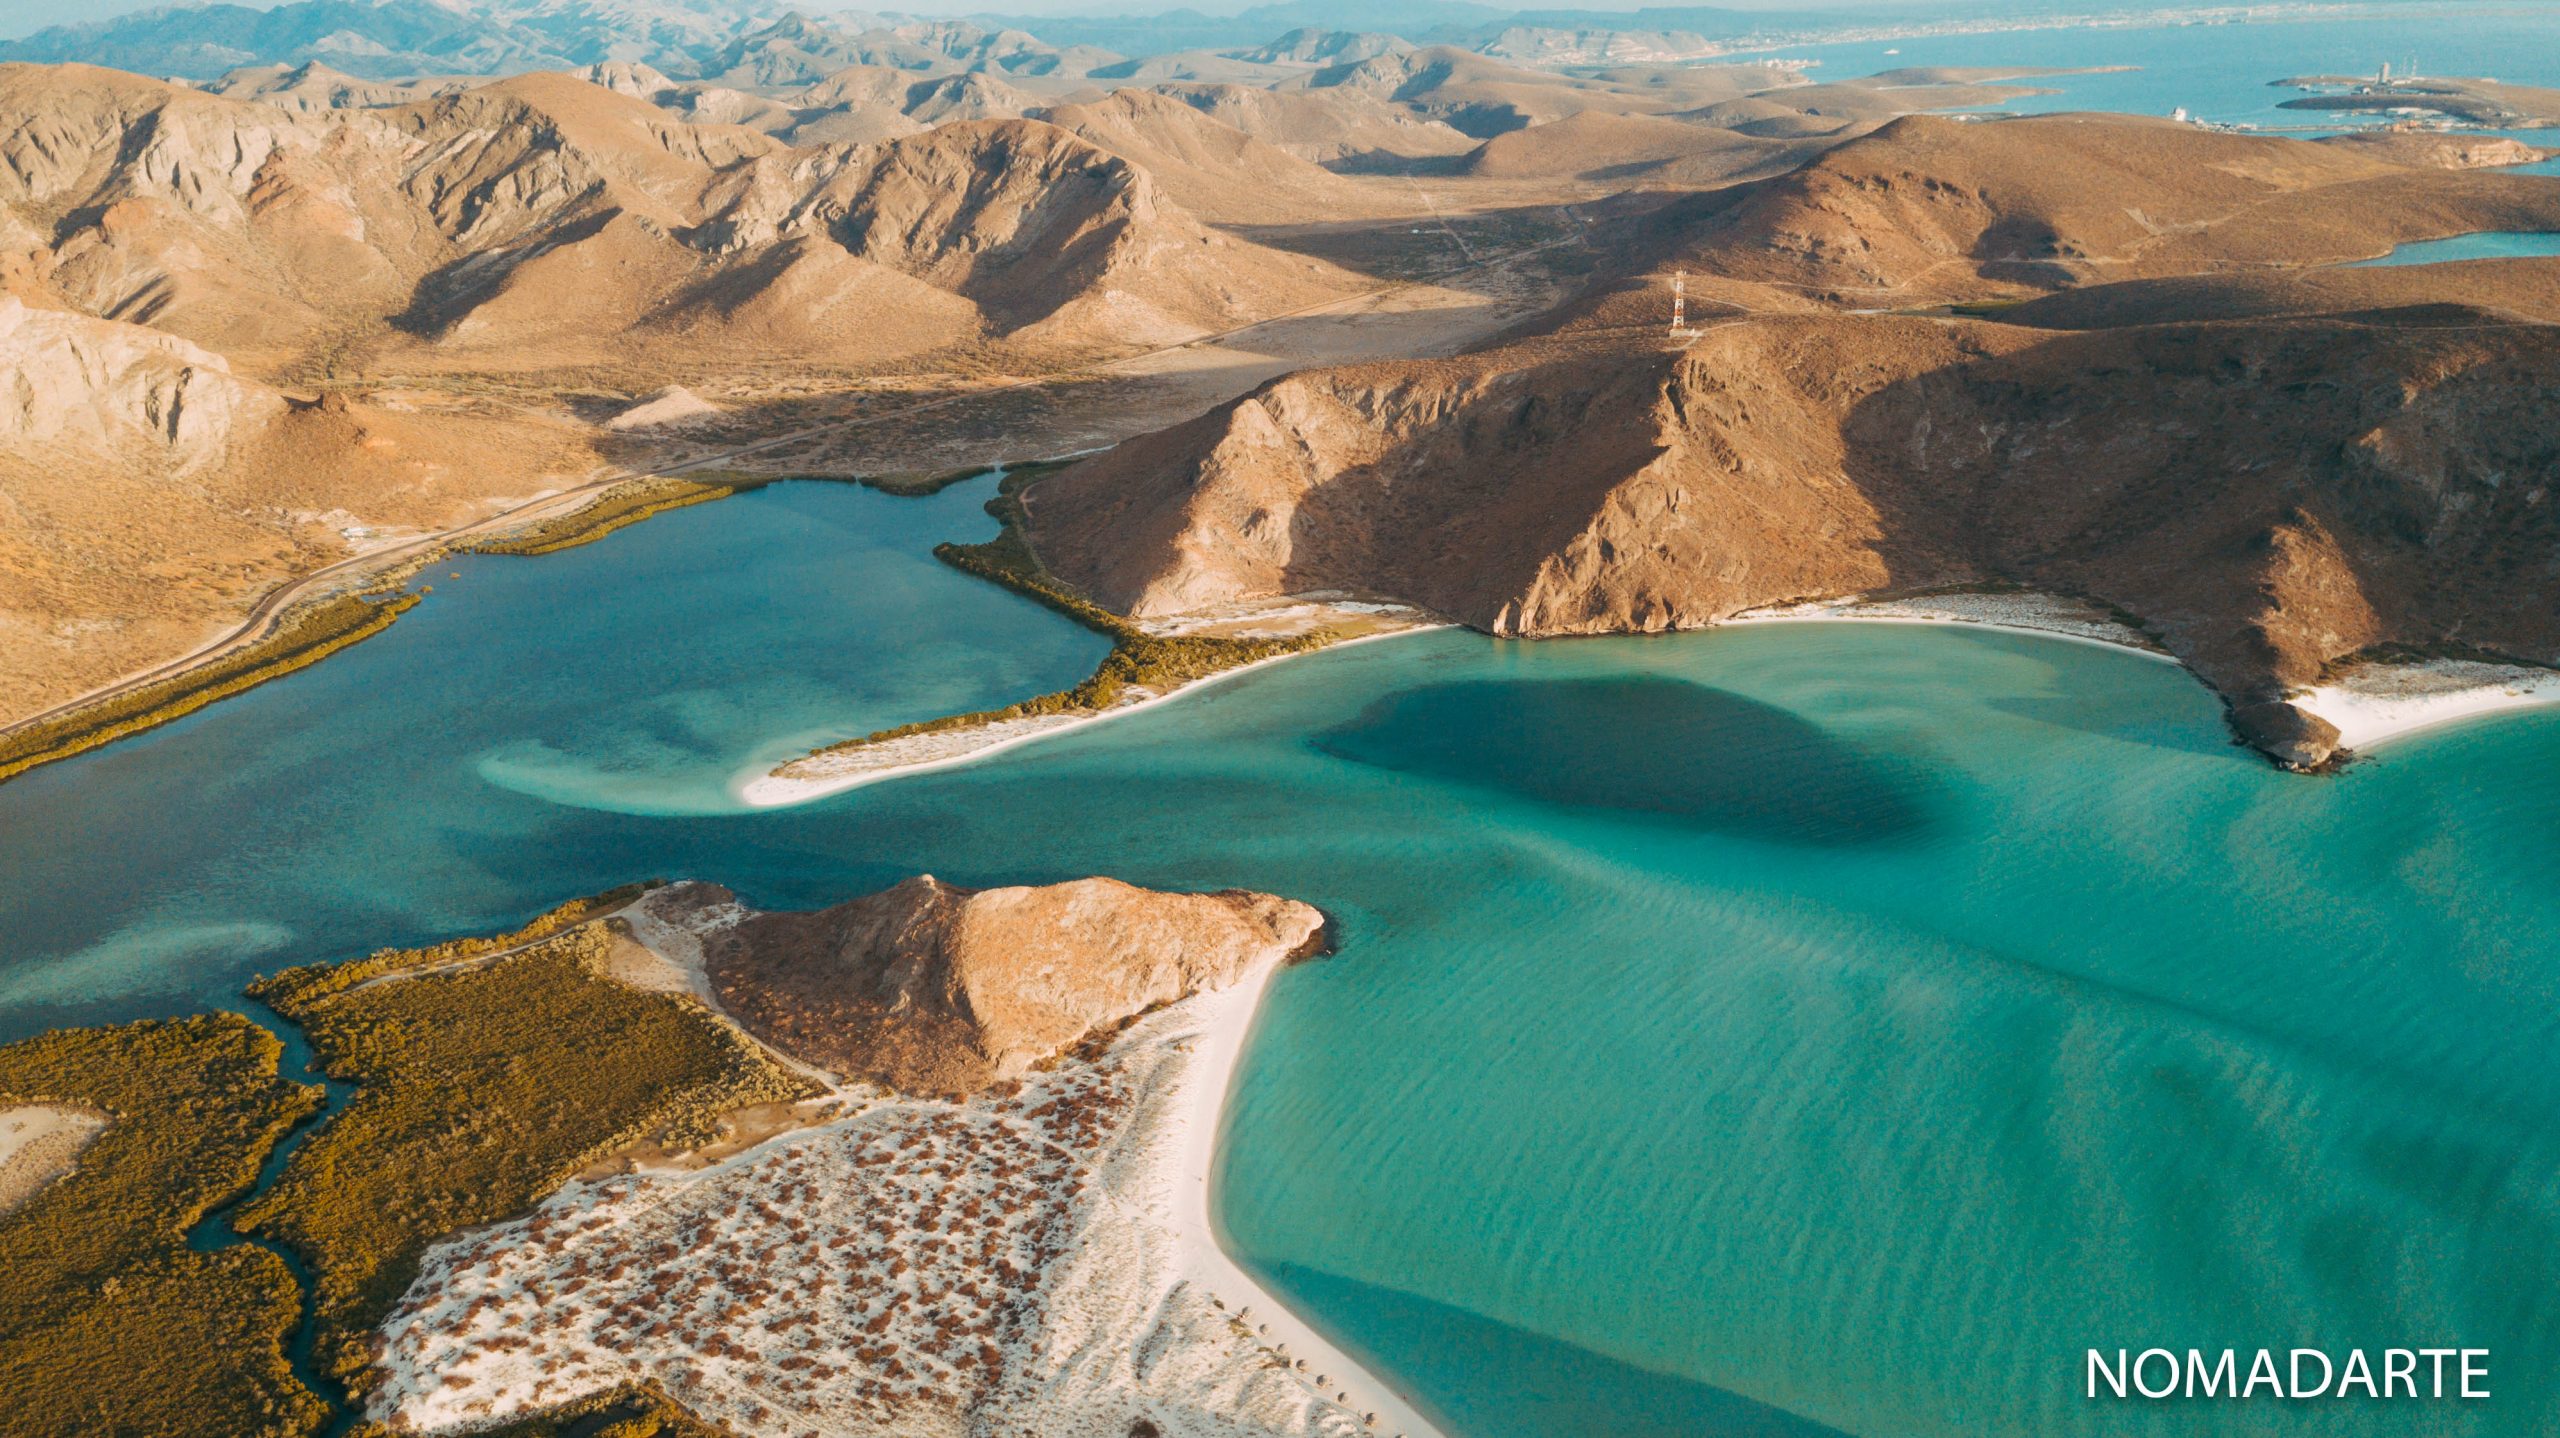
(2221, 72)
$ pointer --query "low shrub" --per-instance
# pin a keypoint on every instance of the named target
(309, 636)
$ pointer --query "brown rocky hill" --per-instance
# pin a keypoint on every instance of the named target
(151, 493)
(2269, 497)
(1334, 126)
(450, 232)
(1931, 208)
(1484, 97)
(1214, 170)
(935, 989)
(1623, 149)
(2458, 293)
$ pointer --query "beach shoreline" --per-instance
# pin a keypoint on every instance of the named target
(767, 787)
(1201, 1259)
(2371, 705)
(1098, 1171)
(2043, 615)
(2375, 704)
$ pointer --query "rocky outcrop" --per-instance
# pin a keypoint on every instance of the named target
(930, 988)
(76, 385)
(2268, 498)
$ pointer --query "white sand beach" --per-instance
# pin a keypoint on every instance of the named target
(2049, 615)
(1036, 1264)
(2379, 702)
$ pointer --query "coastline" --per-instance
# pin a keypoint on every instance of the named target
(2370, 705)
(770, 788)
(1198, 1256)
(2376, 703)
(1094, 1175)
(2045, 615)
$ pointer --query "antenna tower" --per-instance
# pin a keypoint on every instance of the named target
(1680, 305)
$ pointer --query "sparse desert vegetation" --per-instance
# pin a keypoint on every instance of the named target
(616, 508)
(484, 1084)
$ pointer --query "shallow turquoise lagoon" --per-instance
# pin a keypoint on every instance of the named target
(2486, 245)
(1789, 1027)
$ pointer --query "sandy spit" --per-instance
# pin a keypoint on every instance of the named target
(921, 753)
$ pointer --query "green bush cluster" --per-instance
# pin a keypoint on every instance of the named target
(616, 508)
(916, 484)
(109, 1323)
(480, 1091)
(308, 637)
(295, 991)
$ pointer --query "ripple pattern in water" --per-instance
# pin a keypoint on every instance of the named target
(1633, 1103)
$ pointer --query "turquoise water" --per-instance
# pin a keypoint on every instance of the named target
(2488, 245)
(1781, 1030)
(1867, 1022)
(507, 742)
(2220, 71)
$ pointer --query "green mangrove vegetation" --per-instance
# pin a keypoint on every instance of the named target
(109, 1322)
(306, 637)
(301, 989)
(916, 484)
(1155, 662)
(617, 508)
(488, 1073)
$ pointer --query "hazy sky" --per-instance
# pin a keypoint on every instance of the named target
(22, 17)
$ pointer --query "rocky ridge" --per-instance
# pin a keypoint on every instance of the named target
(930, 988)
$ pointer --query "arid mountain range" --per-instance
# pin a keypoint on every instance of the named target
(264, 322)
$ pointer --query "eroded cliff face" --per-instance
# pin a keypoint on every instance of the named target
(2268, 497)
(930, 988)
(83, 388)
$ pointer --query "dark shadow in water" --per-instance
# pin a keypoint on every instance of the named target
(1697, 756)
(1491, 1380)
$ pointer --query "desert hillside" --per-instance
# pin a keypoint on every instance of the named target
(466, 222)
(1929, 208)
(2268, 497)
(405, 302)
(152, 492)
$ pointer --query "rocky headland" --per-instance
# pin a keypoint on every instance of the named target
(931, 988)
(2269, 496)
